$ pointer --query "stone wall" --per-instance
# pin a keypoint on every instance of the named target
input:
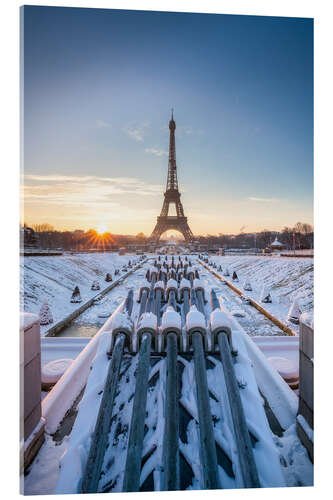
(31, 421)
(305, 408)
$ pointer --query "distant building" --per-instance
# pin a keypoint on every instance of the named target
(276, 245)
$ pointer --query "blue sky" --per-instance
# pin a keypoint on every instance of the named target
(98, 88)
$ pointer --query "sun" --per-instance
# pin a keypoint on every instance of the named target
(102, 228)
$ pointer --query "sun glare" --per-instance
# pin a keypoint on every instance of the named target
(102, 228)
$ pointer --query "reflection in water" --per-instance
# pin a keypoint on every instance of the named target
(79, 330)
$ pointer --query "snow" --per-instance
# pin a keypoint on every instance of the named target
(43, 474)
(247, 286)
(198, 284)
(308, 319)
(189, 270)
(288, 278)
(296, 466)
(265, 296)
(171, 319)
(276, 243)
(294, 312)
(54, 278)
(282, 400)
(120, 320)
(184, 283)
(219, 319)
(147, 321)
(160, 285)
(269, 451)
(171, 284)
(305, 426)
(27, 320)
(52, 371)
(285, 367)
(195, 319)
(74, 459)
(64, 393)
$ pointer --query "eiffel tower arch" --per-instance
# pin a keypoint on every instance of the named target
(177, 222)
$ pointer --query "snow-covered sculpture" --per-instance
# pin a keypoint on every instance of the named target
(95, 285)
(245, 299)
(76, 296)
(247, 286)
(108, 277)
(45, 314)
(294, 313)
(234, 276)
(265, 296)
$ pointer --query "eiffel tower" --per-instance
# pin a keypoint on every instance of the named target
(172, 195)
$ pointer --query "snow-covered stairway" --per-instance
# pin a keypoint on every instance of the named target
(171, 401)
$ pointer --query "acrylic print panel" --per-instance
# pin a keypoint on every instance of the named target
(166, 251)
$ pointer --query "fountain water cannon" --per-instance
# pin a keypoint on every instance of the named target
(172, 274)
(172, 285)
(122, 324)
(150, 306)
(190, 273)
(159, 286)
(153, 273)
(159, 297)
(199, 287)
(184, 285)
(171, 323)
(196, 323)
(144, 287)
(129, 302)
(221, 332)
(147, 324)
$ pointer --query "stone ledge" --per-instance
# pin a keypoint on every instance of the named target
(33, 443)
(305, 434)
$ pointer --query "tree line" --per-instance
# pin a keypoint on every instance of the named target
(301, 236)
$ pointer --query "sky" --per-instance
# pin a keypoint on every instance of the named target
(98, 88)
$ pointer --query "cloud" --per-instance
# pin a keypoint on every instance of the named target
(266, 200)
(81, 191)
(156, 152)
(136, 131)
(102, 124)
(188, 130)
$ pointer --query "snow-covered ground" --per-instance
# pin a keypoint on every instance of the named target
(287, 279)
(54, 278)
